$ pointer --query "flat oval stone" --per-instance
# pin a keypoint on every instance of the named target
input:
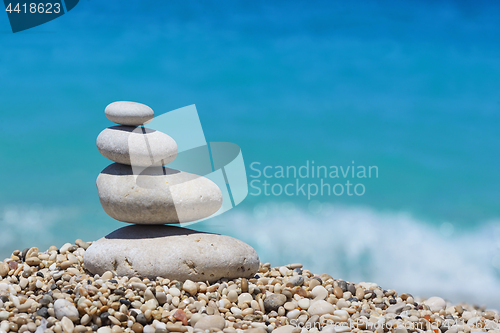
(129, 113)
(320, 307)
(210, 322)
(64, 308)
(435, 303)
(171, 252)
(158, 195)
(136, 146)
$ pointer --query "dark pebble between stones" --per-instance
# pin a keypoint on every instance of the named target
(4, 299)
(352, 299)
(113, 281)
(40, 274)
(104, 318)
(141, 319)
(23, 254)
(366, 314)
(274, 301)
(297, 280)
(318, 278)
(94, 327)
(45, 300)
(392, 301)
(124, 301)
(119, 292)
(43, 312)
(343, 285)
(351, 288)
(298, 271)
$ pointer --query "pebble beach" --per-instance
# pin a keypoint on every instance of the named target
(51, 291)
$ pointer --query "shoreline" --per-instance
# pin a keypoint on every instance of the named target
(50, 291)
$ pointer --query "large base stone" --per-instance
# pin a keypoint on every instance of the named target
(171, 252)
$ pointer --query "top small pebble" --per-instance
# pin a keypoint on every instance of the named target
(129, 113)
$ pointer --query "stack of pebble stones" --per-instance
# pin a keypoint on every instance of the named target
(138, 188)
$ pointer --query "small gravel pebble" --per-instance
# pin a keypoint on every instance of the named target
(274, 301)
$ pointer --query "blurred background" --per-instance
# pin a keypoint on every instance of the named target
(410, 87)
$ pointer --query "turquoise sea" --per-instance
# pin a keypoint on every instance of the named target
(409, 87)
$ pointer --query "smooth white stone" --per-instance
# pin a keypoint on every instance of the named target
(210, 322)
(171, 252)
(4, 315)
(129, 113)
(284, 329)
(320, 307)
(319, 292)
(328, 329)
(435, 303)
(64, 308)
(174, 291)
(294, 314)
(158, 196)
(67, 325)
(368, 285)
(245, 298)
(190, 287)
(304, 303)
(148, 329)
(104, 329)
(136, 146)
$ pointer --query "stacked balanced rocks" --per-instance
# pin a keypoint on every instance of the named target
(139, 189)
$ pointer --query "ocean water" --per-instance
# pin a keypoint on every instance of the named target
(409, 88)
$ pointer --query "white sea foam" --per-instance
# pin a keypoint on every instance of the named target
(395, 250)
(33, 225)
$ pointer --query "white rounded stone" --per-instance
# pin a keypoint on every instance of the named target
(171, 252)
(64, 308)
(284, 329)
(4, 315)
(67, 325)
(129, 113)
(294, 314)
(435, 303)
(159, 195)
(174, 291)
(232, 295)
(104, 329)
(210, 322)
(148, 329)
(245, 298)
(190, 287)
(304, 303)
(320, 307)
(136, 146)
(328, 329)
(319, 292)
